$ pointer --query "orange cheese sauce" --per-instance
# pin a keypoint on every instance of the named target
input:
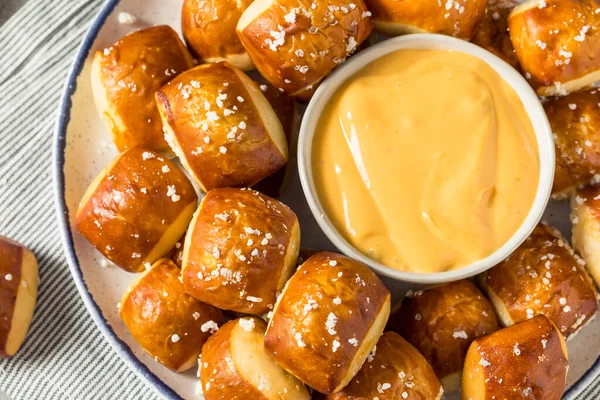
(426, 160)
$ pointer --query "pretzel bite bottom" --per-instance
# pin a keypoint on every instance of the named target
(241, 61)
(172, 234)
(268, 116)
(366, 347)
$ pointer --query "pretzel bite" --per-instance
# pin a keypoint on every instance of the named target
(575, 121)
(295, 44)
(18, 294)
(176, 254)
(543, 276)
(235, 365)
(441, 322)
(457, 18)
(585, 218)
(240, 250)
(327, 321)
(285, 108)
(222, 127)
(209, 30)
(136, 209)
(558, 57)
(528, 360)
(395, 370)
(124, 79)
(492, 32)
(169, 324)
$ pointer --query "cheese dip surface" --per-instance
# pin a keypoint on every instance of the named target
(426, 160)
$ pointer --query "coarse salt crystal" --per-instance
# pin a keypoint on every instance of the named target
(247, 324)
(209, 326)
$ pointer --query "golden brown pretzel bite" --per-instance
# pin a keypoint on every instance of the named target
(125, 76)
(221, 126)
(235, 366)
(327, 320)
(285, 108)
(136, 209)
(209, 30)
(492, 32)
(18, 294)
(543, 276)
(441, 322)
(526, 361)
(169, 324)
(296, 43)
(575, 122)
(457, 18)
(396, 371)
(557, 43)
(585, 218)
(240, 249)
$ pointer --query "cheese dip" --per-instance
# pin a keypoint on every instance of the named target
(426, 160)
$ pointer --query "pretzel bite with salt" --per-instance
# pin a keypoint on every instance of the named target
(18, 294)
(295, 44)
(222, 127)
(527, 360)
(327, 321)
(136, 209)
(394, 370)
(125, 76)
(209, 30)
(169, 324)
(285, 108)
(240, 249)
(575, 121)
(492, 32)
(557, 43)
(543, 276)
(441, 322)
(457, 18)
(235, 365)
(585, 218)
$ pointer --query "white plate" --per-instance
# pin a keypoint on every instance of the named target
(83, 147)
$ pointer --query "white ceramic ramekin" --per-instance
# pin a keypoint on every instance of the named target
(428, 41)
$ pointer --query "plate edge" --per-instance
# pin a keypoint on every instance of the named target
(62, 213)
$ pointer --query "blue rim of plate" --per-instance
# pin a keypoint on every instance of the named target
(60, 141)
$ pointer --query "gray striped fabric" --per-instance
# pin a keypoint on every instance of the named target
(64, 356)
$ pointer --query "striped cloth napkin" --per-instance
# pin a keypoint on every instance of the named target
(64, 356)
